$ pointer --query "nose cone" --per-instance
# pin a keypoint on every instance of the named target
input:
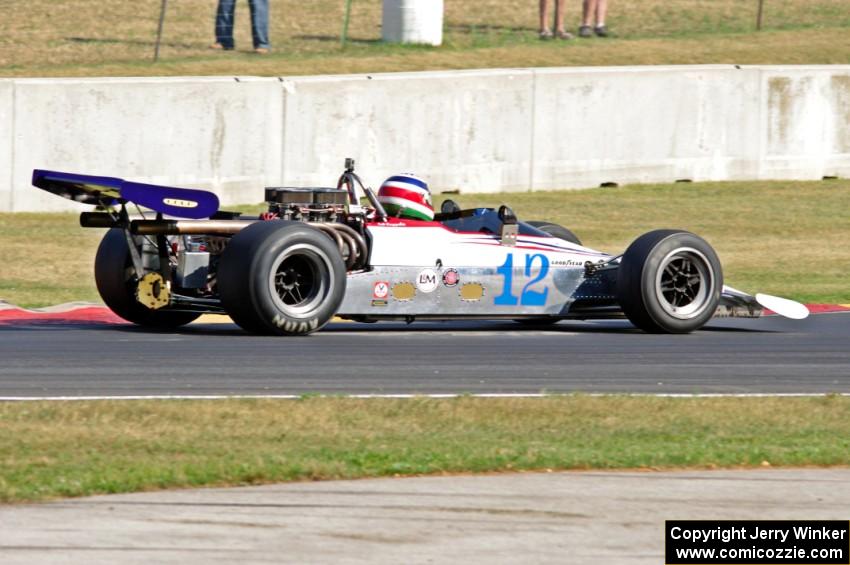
(783, 306)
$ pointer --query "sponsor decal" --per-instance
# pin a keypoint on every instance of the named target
(404, 291)
(427, 280)
(451, 277)
(378, 303)
(180, 203)
(381, 290)
(567, 263)
(472, 292)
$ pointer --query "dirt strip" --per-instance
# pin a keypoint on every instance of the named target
(575, 517)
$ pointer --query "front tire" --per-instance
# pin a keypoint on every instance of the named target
(669, 281)
(556, 230)
(116, 281)
(282, 278)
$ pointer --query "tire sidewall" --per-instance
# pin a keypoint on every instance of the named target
(262, 246)
(110, 268)
(680, 241)
(637, 281)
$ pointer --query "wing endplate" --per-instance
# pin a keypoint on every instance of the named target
(86, 189)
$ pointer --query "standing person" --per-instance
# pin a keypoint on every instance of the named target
(259, 25)
(545, 30)
(593, 11)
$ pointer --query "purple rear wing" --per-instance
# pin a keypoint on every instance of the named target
(108, 191)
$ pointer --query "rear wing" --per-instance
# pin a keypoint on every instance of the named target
(109, 191)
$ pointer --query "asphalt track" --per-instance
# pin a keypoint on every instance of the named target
(767, 355)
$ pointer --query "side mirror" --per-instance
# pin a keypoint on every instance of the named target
(449, 207)
(509, 230)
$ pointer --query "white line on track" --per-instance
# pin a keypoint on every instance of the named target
(449, 333)
(403, 396)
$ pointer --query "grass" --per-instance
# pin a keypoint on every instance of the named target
(785, 238)
(41, 267)
(116, 38)
(60, 449)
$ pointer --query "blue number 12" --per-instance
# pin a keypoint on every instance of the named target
(528, 297)
(507, 271)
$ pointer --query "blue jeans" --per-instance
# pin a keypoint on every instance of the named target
(259, 23)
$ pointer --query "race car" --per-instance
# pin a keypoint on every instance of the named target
(345, 251)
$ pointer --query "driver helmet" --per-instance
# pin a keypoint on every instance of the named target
(406, 196)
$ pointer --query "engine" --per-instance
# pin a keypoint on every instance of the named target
(314, 204)
(326, 209)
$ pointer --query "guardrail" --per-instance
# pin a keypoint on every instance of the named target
(474, 131)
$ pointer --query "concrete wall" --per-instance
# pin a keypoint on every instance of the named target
(7, 134)
(469, 130)
(629, 125)
(805, 128)
(477, 131)
(213, 133)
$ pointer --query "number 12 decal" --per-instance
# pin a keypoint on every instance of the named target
(528, 297)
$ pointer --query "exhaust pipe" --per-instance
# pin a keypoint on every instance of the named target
(98, 220)
(188, 227)
(343, 235)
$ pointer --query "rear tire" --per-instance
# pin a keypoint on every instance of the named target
(116, 282)
(669, 281)
(556, 231)
(281, 278)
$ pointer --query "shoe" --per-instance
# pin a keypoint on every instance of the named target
(262, 50)
(585, 31)
(563, 35)
(545, 34)
(601, 31)
(220, 47)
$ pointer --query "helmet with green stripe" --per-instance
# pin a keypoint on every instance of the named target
(406, 196)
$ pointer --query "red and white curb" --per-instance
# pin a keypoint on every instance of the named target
(69, 313)
(827, 308)
(91, 313)
(76, 313)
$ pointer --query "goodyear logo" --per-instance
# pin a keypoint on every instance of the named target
(180, 203)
